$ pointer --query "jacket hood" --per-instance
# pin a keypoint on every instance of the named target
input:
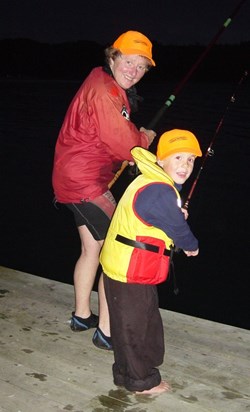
(147, 163)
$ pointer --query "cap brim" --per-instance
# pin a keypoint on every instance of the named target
(139, 53)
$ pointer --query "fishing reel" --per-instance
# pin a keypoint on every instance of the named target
(210, 152)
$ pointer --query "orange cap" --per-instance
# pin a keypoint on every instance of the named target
(175, 141)
(134, 42)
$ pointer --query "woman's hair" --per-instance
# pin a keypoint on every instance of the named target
(112, 53)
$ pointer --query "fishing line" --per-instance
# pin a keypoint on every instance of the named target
(179, 87)
(210, 151)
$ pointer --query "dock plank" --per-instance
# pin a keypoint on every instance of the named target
(47, 367)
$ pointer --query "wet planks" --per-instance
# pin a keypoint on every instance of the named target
(47, 367)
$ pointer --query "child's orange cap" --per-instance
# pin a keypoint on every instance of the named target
(175, 141)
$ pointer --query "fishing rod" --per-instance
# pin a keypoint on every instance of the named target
(210, 151)
(180, 86)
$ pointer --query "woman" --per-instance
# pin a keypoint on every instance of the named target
(95, 138)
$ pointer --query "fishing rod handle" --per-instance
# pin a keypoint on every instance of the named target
(118, 173)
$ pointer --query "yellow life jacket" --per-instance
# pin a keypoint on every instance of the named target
(134, 251)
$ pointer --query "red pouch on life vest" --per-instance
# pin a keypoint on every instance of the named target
(148, 267)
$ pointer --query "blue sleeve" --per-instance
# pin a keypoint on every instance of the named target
(157, 205)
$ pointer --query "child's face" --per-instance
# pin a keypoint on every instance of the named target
(179, 166)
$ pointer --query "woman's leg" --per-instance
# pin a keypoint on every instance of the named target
(84, 277)
(85, 271)
(104, 324)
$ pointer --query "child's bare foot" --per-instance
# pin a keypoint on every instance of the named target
(162, 387)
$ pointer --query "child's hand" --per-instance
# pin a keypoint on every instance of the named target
(185, 212)
(191, 252)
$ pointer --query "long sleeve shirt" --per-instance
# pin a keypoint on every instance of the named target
(164, 214)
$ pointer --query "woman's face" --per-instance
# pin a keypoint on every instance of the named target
(128, 69)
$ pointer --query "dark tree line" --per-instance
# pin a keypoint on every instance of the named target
(27, 58)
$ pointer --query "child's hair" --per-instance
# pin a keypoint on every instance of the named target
(175, 141)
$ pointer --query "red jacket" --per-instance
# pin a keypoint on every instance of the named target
(94, 139)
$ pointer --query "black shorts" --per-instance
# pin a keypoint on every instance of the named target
(96, 218)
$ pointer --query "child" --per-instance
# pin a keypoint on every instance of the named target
(147, 222)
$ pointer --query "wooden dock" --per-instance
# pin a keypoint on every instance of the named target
(45, 367)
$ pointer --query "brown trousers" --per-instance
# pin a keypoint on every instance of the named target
(137, 334)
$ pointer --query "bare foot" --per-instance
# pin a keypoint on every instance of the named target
(162, 387)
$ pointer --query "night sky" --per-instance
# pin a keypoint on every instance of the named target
(165, 21)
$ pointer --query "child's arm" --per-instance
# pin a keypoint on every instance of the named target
(157, 205)
(189, 252)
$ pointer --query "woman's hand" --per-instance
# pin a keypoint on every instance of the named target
(150, 134)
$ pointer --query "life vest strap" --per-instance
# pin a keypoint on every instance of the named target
(141, 245)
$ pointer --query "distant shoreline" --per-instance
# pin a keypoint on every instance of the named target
(25, 58)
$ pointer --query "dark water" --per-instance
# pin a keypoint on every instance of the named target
(38, 239)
